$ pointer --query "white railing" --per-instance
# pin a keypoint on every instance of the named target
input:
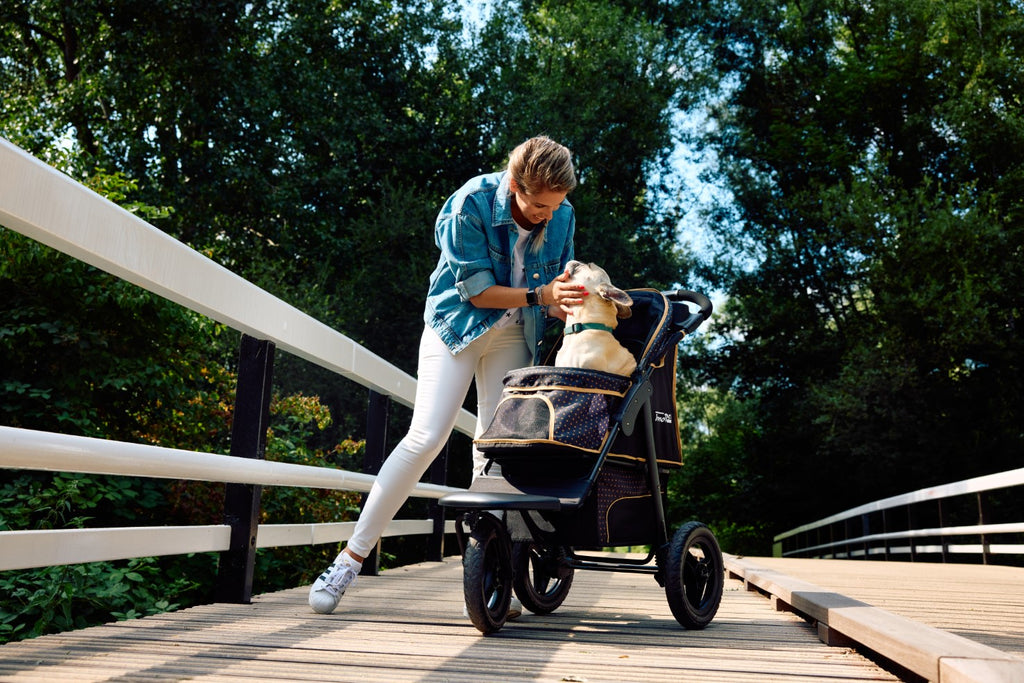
(892, 528)
(46, 205)
(34, 450)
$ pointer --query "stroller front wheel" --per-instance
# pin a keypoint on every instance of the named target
(487, 574)
(543, 576)
(694, 575)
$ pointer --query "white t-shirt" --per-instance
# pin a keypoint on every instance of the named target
(515, 315)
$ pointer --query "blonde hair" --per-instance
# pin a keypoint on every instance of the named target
(542, 165)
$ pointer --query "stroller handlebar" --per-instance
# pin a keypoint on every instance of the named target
(688, 321)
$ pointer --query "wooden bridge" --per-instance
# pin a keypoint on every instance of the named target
(854, 621)
(780, 619)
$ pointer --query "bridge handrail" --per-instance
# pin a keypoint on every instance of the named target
(849, 532)
(42, 203)
(46, 451)
(988, 482)
(36, 450)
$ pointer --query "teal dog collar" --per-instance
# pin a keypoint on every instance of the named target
(579, 327)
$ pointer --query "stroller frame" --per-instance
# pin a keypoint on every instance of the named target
(508, 526)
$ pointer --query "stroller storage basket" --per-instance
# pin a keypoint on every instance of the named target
(618, 512)
(546, 411)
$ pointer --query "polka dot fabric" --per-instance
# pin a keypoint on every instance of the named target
(618, 512)
(562, 406)
(623, 507)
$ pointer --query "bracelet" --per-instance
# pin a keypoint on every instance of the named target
(540, 295)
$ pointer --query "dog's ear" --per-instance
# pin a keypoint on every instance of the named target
(618, 297)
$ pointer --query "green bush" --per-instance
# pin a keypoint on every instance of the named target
(54, 599)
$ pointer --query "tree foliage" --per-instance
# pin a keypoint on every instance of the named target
(871, 246)
(306, 145)
(868, 233)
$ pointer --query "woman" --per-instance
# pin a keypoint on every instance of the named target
(505, 239)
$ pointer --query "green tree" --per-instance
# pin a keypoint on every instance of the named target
(600, 79)
(872, 155)
(306, 145)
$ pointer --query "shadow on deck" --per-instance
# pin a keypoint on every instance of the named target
(407, 625)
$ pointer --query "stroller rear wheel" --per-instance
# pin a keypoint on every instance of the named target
(543, 576)
(487, 574)
(694, 575)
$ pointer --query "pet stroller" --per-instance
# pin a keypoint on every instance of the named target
(584, 457)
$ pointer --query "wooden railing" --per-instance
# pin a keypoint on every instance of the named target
(46, 205)
(962, 521)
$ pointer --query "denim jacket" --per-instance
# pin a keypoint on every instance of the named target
(476, 234)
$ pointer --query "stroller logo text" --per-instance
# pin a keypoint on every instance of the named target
(662, 417)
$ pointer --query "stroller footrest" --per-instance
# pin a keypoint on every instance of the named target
(500, 501)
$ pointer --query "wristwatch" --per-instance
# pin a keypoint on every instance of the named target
(531, 297)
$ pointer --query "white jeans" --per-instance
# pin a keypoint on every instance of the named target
(441, 388)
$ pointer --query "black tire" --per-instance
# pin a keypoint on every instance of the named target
(542, 577)
(487, 575)
(694, 575)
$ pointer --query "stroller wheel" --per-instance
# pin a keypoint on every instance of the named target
(487, 574)
(542, 576)
(694, 575)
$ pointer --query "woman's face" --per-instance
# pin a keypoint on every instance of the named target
(530, 210)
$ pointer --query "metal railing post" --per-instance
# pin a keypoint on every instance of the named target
(885, 530)
(248, 440)
(378, 412)
(865, 530)
(981, 522)
(438, 474)
(911, 525)
(942, 525)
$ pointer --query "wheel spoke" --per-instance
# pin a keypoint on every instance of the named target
(541, 581)
(696, 576)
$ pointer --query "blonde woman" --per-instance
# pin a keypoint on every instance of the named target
(505, 239)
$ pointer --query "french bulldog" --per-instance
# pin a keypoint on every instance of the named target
(588, 341)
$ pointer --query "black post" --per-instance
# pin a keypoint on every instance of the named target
(942, 525)
(846, 537)
(438, 473)
(911, 526)
(248, 440)
(885, 530)
(982, 520)
(865, 530)
(377, 414)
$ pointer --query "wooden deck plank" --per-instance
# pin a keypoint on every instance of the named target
(407, 625)
(934, 653)
(983, 603)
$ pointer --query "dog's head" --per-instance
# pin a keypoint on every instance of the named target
(596, 281)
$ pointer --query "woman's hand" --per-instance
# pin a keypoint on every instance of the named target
(564, 294)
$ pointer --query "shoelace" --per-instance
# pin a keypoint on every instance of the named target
(337, 577)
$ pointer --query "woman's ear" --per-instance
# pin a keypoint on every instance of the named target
(513, 186)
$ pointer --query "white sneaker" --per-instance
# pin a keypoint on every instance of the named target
(327, 590)
(515, 609)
